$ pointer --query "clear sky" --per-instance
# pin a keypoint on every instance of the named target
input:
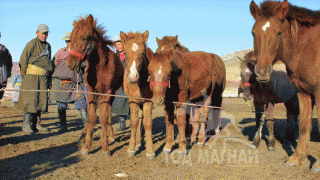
(219, 27)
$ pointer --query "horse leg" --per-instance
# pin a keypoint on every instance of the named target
(257, 136)
(270, 126)
(195, 125)
(134, 119)
(88, 130)
(169, 115)
(316, 166)
(260, 120)
(292, 118)
(203, 119)
(214, 117)
(139, 130)
(181, 122)
(106, 126)
(305, 125)
(147, 122)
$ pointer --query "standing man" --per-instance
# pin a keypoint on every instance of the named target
(5, 67)
(36, 69)
(120, 105)
(65, 79)
(16, 84)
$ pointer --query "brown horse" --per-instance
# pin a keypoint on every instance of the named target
(291, 34)
(135, 84)
(104, 74)
(265, 96)
(170, 42)
(179, 77)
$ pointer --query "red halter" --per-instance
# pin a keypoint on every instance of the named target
(246, 84)
(158, 82)
(76, 53)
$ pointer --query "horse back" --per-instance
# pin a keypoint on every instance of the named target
(206, 71)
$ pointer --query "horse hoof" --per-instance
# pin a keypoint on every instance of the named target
(182, 153)
(151, 155)
(131, 153)
(315, 170)
(289, 164)
(166, 151)
(138, 147)
(200, 144)
(106, 154)
(85, 152)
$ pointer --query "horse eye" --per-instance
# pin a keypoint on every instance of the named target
(254, 35)
(279, 33)
(84, 39)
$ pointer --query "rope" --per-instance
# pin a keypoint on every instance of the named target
(138, 98)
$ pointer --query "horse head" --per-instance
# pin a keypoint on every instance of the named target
(83, 41)
(136, 59)
(268, 32)
(160, 68)
(170, 42)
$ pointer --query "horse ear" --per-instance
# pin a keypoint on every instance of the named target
(145, 36)
(176, 37)
(90, 19)
(123, 37)
(283, 10)
(158, 41)
(254, 10)
(239, 59)
(149, 54)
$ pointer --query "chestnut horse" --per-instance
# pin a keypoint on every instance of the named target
(179, 77)
(104, 74)
(265, 96)
(291, 34)
(135, 84)
(170, 42)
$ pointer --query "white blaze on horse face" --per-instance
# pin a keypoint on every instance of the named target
(162, 48)
(133, 69)
(135, 47)
(264, 27)
(159, 72)
(247, 70)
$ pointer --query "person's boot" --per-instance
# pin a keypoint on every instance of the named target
(122, 122)
(63, 120)
(83, 114)
(38, 125)
(27, 124)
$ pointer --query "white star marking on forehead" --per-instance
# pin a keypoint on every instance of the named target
(264, 27)
(162, 48)
(247, 70)
(159, 72)
(135, 47)
(133, 68)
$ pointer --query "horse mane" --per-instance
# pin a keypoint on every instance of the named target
(135, 35)
(168, 39)
(101, 31)
(303, 15)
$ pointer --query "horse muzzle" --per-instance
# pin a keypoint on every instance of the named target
(158, 101)
(263, 74)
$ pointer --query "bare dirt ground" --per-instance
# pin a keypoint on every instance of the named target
(55, 156)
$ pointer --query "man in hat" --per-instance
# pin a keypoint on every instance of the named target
(5, 67)
(65, 79)
(36, 69)
(120, 105)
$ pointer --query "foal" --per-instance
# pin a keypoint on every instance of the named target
(265, 96)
